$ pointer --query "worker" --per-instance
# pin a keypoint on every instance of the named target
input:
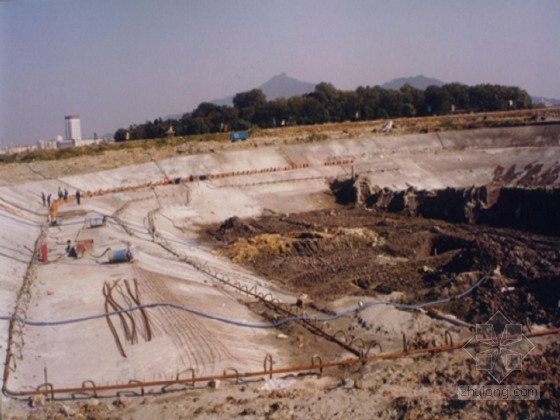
(44, 198)
(60, 194)
(49, 200)
(78, 197)
(70, 249)
(65, 194)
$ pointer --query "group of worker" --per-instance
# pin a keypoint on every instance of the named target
(62, 195)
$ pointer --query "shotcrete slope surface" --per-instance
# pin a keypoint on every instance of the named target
(160, 224)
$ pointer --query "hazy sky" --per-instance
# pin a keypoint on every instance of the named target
(119, 62)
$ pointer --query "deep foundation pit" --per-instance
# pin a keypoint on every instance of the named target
(393, 243)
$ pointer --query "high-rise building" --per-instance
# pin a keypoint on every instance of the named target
(73, 129)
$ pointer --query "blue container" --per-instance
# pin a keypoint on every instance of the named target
(121, 255)
(243, 135)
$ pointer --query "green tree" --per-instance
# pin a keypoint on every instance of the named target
(281, 110)
(314, 112)
(213, 115)
(120, 134)
(458, 95)
(484, 98)
(137, 132)
(438, 99)
(391, 102)
(249, 102)
(265, 116)
(413, 101)
(349, 104)
(230, 117)
(153, 130)
(325, 92)
(252, 98)
(205, 109)
(369, 99)
(307, 110)
(198, 126)
(326, 103)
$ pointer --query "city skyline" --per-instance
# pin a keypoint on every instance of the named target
(125, 62)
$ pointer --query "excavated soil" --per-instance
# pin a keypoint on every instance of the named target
(357, 251)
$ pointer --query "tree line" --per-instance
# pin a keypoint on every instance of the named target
(328, 104)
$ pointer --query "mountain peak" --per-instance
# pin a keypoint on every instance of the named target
(277, 86)
(280, 76)
(284, 86)
(419, 82)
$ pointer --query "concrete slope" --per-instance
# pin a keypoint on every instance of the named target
(160, 225)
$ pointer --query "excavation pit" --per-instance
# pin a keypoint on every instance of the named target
(419, 218)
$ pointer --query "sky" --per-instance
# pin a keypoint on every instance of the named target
(121, 62)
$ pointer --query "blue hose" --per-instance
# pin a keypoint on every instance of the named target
(237, 323)
(15, 219)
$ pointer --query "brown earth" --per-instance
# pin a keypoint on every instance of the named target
(363, 252)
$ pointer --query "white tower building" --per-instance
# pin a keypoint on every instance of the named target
(73, 129)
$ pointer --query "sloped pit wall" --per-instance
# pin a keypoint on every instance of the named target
(532, 209)
(535, 135)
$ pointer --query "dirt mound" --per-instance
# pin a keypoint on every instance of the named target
(306, 243)
(242, 250)
(233, 228)
(526, 283)
(363, 252)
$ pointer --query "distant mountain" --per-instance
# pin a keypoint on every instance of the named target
(285, 86)
(545, 101)
(278, 86)
(418, 82)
